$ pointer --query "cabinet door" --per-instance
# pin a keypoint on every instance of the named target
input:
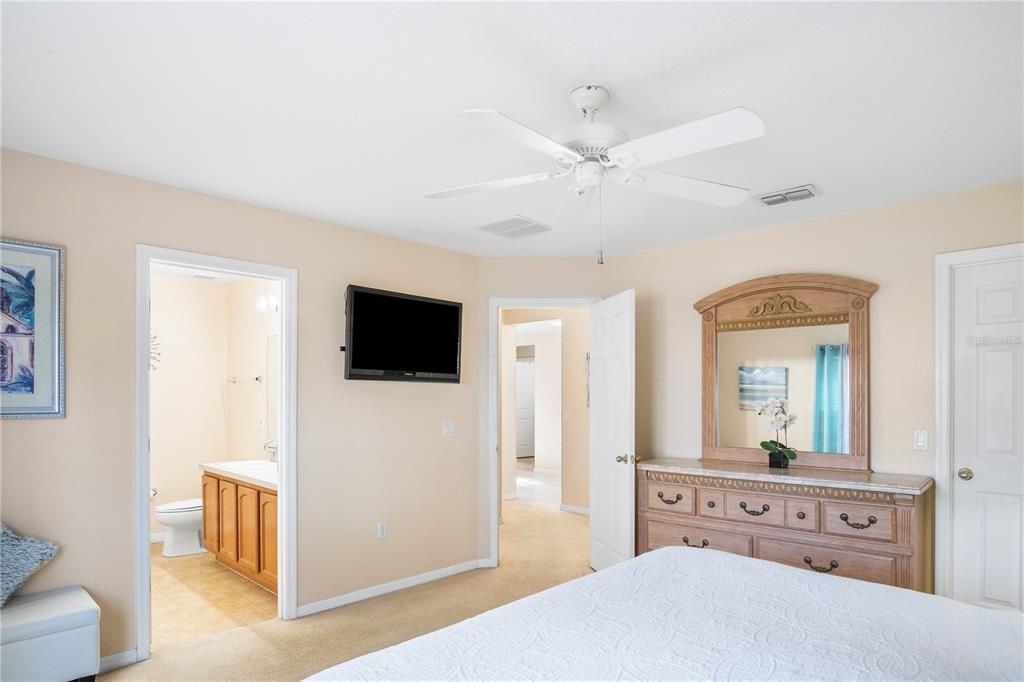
(210, 535)
(268, 540)
(227, 515)
(248, 530)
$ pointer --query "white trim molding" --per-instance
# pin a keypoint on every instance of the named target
(945, 266)
(287, 552)
(585, 511)
(493, 455)
(393, 586)
(115, 661)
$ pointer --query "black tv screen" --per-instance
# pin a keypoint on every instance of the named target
(400, 337)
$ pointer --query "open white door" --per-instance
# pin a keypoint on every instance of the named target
(612, 385)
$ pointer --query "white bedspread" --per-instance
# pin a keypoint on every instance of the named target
(679, 613)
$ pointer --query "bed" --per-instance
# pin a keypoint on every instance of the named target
(682, 614)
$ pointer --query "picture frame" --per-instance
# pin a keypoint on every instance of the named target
(757, 384)
(31, 330)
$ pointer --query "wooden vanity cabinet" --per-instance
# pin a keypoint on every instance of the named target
(240, 528)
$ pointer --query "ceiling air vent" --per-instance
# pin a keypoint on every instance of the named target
(515, 227)
(786, 196)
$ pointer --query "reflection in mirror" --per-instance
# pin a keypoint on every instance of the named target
(273, 384)
(809, 366)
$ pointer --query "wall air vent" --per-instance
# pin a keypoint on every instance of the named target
(786, 196)
(515, 227)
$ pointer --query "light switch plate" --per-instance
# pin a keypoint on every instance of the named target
(382, 530)
(448, 428)
(920, 440)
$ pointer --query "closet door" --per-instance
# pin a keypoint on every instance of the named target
(227, 515)
(248, 530)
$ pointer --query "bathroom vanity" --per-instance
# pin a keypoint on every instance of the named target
(240, 517)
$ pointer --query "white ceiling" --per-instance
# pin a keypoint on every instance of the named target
(349, 112)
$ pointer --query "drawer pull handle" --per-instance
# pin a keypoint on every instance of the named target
(661, 496)
(845, 518)
(711, 504)
(764, 508)
(801, 516)
(703, 543)
(821, 569)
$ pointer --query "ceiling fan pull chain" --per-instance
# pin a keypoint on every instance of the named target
(600, 224)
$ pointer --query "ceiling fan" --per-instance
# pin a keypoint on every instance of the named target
(591, 151)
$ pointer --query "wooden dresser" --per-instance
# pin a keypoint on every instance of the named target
(875, 527)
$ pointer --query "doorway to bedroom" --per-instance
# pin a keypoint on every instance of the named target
(543, 435)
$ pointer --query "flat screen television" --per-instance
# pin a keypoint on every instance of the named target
(400, 337)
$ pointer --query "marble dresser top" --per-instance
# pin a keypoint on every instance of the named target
(904, 484)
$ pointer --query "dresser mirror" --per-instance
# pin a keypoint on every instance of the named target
(802, 338)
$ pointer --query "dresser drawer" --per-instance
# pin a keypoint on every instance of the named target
(860, 565)
(802, 514)
(670, 497)
(711, 503)
(769, 511)
(670, 534)
(860, 521)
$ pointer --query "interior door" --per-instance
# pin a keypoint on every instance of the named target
(987, 417)
(612, 388)
(525, 408)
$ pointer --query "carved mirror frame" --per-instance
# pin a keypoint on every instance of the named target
(779, 301)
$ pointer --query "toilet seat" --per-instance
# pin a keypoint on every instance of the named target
(189, 505)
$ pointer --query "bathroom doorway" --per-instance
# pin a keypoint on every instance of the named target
(216, 342)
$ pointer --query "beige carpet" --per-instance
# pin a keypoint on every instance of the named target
(539, 548)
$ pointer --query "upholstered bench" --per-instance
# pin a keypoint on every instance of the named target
(51, 635)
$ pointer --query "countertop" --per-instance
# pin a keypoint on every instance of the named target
(259, 472)
(855, 480)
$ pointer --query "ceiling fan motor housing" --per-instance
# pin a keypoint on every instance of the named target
(591, 140)
(589, 173)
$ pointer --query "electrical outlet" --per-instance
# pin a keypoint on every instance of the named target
(920, 440)
(382, 530)
(448, 428)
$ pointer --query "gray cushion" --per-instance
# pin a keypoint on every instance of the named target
(20, 557)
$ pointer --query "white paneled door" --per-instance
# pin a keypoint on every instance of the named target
(612, 383)
(525, 408)
(987, 426)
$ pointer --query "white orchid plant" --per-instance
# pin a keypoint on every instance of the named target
(779, 419)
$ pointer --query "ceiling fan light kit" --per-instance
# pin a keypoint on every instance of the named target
(590, 152)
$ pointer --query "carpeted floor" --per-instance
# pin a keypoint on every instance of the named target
(539, 548)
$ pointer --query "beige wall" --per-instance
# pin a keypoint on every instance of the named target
(575, 424)
(72, 479)
(792, 348)
(248, 328)
(547, 391)
(188, 394)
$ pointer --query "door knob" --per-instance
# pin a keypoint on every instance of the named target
(965, 474)
(622, 458)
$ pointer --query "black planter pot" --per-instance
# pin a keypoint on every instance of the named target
(777, 460)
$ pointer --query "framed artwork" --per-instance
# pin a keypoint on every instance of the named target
(758, 384)
(31, 330)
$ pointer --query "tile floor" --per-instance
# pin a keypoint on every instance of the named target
(194, 596)
(537, 489)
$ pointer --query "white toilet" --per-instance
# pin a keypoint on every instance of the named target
(183, 520)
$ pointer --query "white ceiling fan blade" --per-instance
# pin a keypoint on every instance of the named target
(729, 127)
(494, 184)
(574, 207)
(702, 191)
(522, 134)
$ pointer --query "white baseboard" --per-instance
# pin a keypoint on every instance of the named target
(575, 510)
(157, 537)
(547, 471)
(393, 586)
(115, 661)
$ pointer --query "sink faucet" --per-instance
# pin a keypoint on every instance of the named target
(271, 447)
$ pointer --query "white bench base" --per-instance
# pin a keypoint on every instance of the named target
(52, 636)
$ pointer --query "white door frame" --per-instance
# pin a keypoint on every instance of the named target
(945, 263)
(493, 455)
(287, 552)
